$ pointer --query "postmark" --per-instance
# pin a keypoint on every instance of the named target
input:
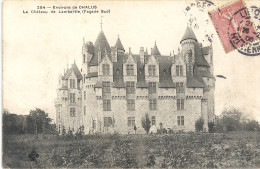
(234, 27)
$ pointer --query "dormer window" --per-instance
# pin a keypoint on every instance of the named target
(151, 70)
(129, 70)
(179, 70)
(72, 83)
(105, 69)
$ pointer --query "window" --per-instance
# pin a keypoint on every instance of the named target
(85, 94)
(153, 120)
(129, 70)
(151, 70)
(179, 70)
(84, 110)
(180, 104)
(84, 58)
(131, 121)
(152, 87)
(130, 87)
(105, 69)
(189, 70)
(180, 120)
(94, 124)
(72, 83)
(72, 112)
(84, 77)
(106, 105)
(108, 121)
(153, 104)
(72, 97)
(106, 87)
(179, 88)
(130, 104)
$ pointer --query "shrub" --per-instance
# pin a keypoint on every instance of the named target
(146, 123)
(211, 127)
(199, 125)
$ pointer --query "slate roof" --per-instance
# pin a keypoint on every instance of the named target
(205, 73)
(155, 50)
(74, 69)
(90, 48)
(196, 80)
(119, 45)
(102, 44)
(199, 58)
(189, 34)
(165, 77)
(205, 50)
(118, 71)
(92, 74)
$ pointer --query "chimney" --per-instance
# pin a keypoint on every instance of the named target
(142, 54)
(130, 53)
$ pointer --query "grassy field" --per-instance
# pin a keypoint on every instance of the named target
(232, 150)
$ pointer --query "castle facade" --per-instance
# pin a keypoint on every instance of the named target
(115, 89)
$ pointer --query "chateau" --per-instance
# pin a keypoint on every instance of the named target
(115, 89)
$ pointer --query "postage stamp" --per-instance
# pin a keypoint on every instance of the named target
(234, 26)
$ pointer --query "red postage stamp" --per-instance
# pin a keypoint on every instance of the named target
(233, 25)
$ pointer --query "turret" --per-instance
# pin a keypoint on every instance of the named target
(188, 49)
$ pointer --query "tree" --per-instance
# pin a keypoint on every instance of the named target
(38, 121)
(199, 125)
(146, 123)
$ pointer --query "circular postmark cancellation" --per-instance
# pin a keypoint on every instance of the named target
(242, 34)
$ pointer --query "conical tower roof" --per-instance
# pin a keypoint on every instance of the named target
(119, 45)
(155, 50)
(189, 34)
(102, 42)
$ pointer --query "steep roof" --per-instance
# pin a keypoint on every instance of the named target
(189, 34)
(118, 71)
(155, 50)
(74, 69)
(101, 44)
(199, 58)
(165, 77)
(141, 83)
(92, 74)
(196, 80)
(119, 45)
(205, 50)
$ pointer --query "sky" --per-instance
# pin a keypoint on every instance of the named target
(37, 48)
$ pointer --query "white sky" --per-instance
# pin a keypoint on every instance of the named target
(36, 48)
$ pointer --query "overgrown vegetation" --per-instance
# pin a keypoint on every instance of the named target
(232, 150)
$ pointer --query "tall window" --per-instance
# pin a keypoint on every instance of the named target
(85, 95)
(179, 70)
(130, 121)
(94, 124)
(153, 120)
(180, 120)
(84, 58)
(72, 112)
(72, 83)
(152, 87)
(72, 97)
(108, 121)
(106, 105)
(179, 88)
(105, 69)
(84, 110)
(153, 104)
(180, 104)
(106, 87)
(130, 87)
(151, 70)
(129, 70)
(130, 104)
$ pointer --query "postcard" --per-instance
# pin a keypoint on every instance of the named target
(131, 84)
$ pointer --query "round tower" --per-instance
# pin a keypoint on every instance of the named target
(188, 49)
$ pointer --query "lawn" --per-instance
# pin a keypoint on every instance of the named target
(231, 150)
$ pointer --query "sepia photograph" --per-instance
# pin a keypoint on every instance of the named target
(131, 84)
